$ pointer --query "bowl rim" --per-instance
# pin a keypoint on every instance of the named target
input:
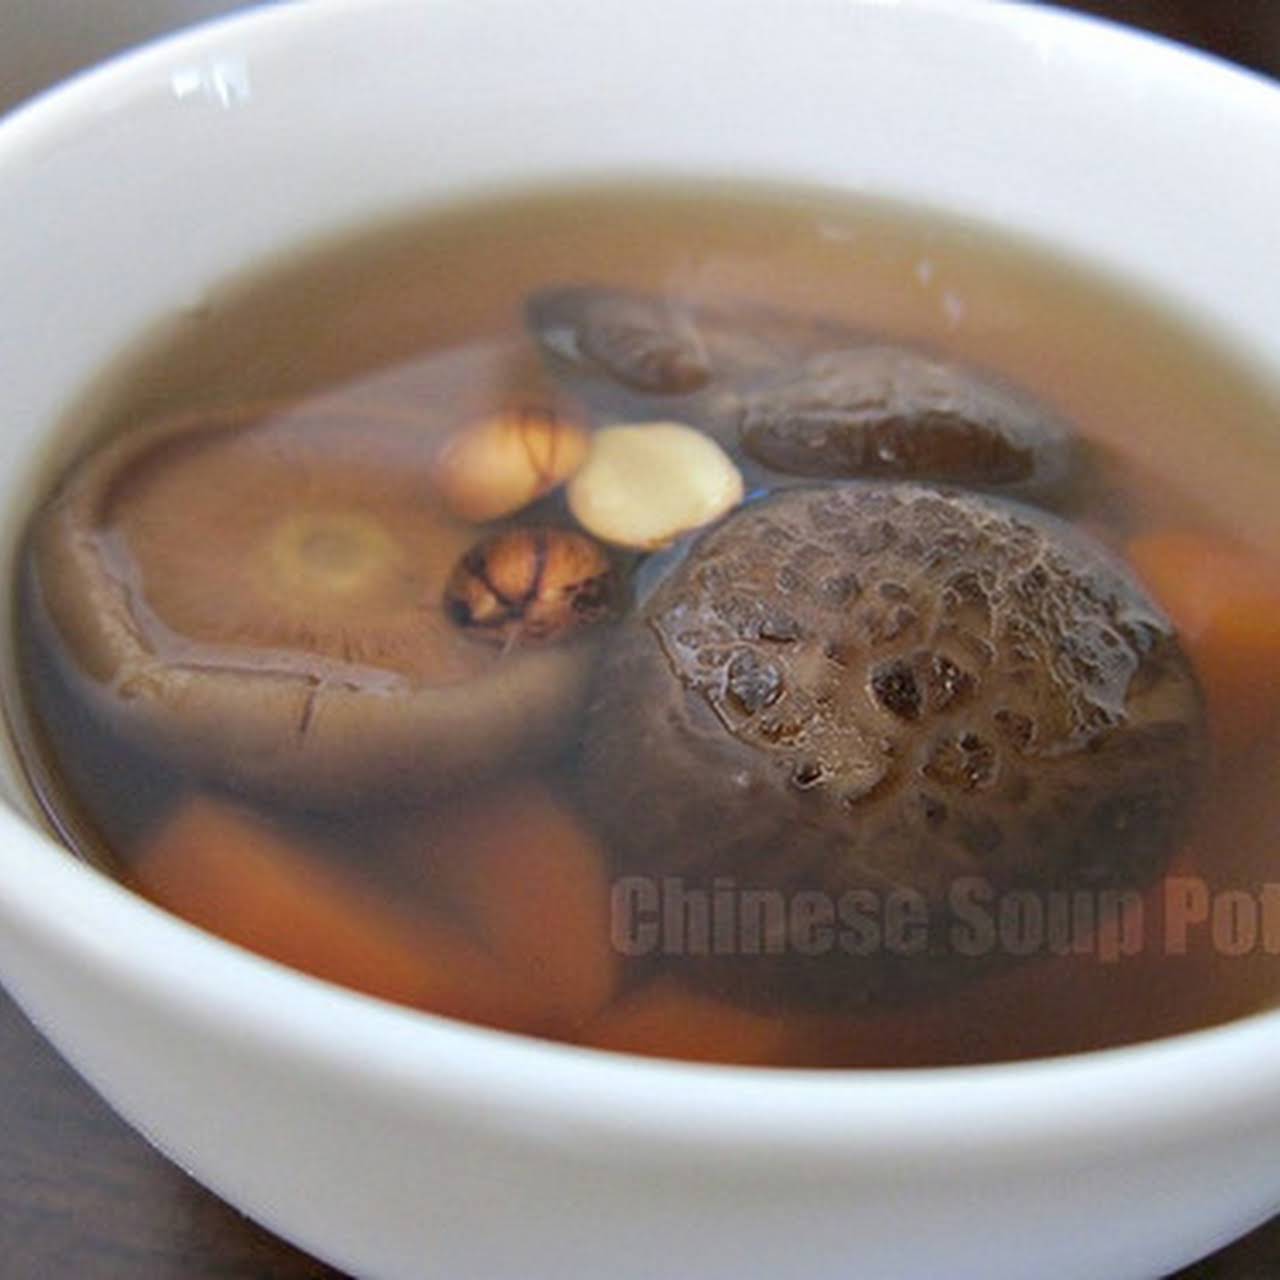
(664, 1106)
(205, 983)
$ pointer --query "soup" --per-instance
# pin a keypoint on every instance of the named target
(720, 623)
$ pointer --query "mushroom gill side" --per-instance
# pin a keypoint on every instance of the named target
(258, 593)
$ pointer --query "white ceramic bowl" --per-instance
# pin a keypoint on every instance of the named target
(399, 1145)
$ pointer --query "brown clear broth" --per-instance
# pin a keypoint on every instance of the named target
(409, 326)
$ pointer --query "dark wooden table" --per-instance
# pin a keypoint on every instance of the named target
(81, 1195)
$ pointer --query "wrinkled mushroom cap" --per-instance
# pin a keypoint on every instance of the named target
(261, 595)
(889, 412)
(870, 687)
(803, 396)
(633, 355)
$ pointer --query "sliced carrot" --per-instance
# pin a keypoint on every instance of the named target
(665, 1020)
(1225, 602)
(531, 880)
(224, 869)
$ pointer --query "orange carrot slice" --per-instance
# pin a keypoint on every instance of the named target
(229, 872)
(530, 879)
(1225, 602)
(665, 1020)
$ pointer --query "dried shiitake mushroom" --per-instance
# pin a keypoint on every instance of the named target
(641, 340)
(877, 687)
(890, 412)
(626, 351)
(262, 593)
(804, 397)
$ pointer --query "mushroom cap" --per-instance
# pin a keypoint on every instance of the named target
(803, 396)
(668, 345)
(888, 412)
(259, 593)
(879, 687)
(634, 356)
